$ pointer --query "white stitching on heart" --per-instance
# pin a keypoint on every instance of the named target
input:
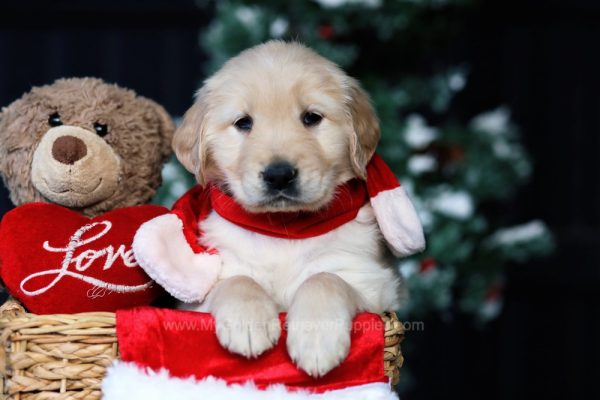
(84, 260)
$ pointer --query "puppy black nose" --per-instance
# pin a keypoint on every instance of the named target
(279, 175)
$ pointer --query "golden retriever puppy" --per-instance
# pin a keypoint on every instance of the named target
(279, 128)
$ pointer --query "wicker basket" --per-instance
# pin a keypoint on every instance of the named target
(65, 356)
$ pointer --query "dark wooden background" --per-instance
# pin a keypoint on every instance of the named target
(539, 57)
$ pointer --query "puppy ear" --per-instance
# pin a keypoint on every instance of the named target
(366, 129)
(188, 143)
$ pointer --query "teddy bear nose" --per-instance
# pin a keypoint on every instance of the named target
(68, 149)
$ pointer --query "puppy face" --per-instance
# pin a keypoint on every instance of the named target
(279, 127)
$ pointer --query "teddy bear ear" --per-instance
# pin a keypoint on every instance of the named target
(167, 126)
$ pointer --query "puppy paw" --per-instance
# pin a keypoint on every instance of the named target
(248, 327)
(318, 345)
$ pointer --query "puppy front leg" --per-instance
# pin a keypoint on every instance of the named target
(319, 322)
(247, 319)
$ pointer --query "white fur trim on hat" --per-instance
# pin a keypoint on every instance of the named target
(162, 250)
(398, 222)
(126, 381)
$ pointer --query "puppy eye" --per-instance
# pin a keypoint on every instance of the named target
(101, 129)
(244, 124)
(54, 120)
(311, 119)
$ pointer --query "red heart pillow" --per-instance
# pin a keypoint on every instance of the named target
(55, 260)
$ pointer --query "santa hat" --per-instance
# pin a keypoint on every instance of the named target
(167, 247)
(395, 213)
(170, 354)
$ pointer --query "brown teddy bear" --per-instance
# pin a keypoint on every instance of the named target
(80, 158)
(83, 144)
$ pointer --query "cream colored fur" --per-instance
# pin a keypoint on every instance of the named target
(324, 281)
(90, 180)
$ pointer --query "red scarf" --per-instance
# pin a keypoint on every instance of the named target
(198, 202)
(348, 199)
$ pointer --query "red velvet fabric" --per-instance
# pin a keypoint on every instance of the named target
(184, 343)
(198, 202)
(193, 206)
(380, 177)
(55, 260)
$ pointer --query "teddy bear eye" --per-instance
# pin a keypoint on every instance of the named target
(54, 120)
(101, 129)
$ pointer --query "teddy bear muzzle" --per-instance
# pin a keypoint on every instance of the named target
(74, 167)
